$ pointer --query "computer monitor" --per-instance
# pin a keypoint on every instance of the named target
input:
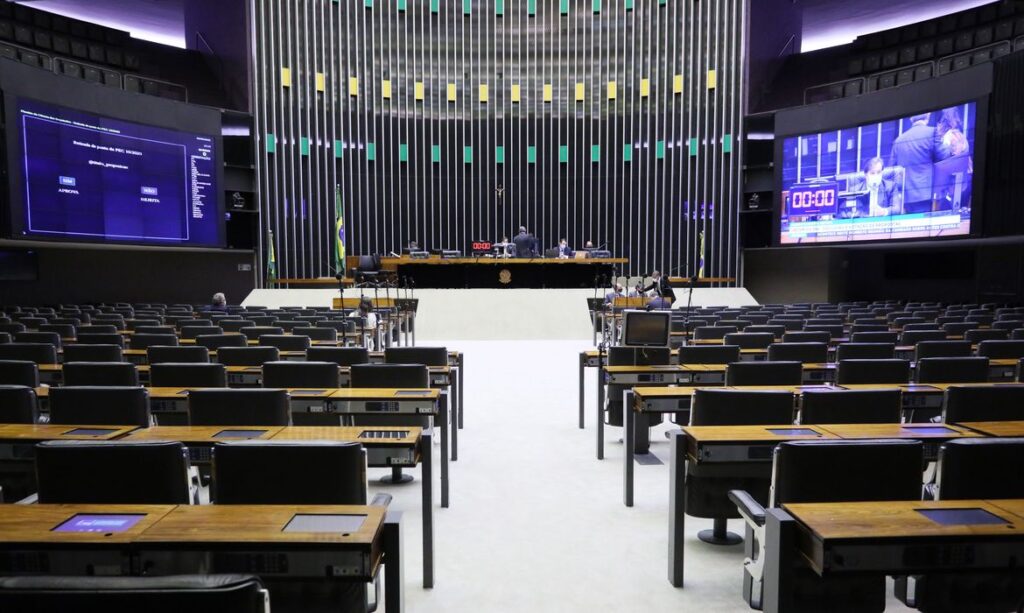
(646, 328)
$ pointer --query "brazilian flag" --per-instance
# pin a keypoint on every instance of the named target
(700, 270)
(339, 233)
(271, 260)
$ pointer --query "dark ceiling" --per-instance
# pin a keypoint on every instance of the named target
(161, 21)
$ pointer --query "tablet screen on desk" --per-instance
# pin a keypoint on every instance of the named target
(239, 434)
(929, 430)
(101, 522)
(793, 432)
(312, 522)
(90, 431)
(306, 392)
(412, 393)
(961, 517)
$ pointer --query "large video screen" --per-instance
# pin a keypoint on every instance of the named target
(86, 177)
(904, 178)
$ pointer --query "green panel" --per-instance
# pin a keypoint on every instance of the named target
(467, 7)
(338, 148)
(499, 7)
(531, 154)
(727, 143)
(499, 154)
(467, 155)
(531, 7)
(629, 5)
(597, 6)
(563, 7)
(304, 145)
(627, 153)
(435, 6)
(659, 149)
(693, 146)
(595, 153)
(403, 152)
(271, 144)
(662, 2)
(371, 151)
(563, 154)
(435, 154)
(368, 4)
(401, 5)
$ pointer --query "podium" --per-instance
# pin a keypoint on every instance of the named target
(353, 303)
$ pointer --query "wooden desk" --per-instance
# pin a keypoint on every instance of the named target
(200, 439)
(996, 428)
(435, 272)
(33, 433)
(932, 435)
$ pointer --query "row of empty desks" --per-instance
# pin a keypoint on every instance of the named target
(276, 542)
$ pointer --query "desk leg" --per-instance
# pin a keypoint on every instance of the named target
(600, 415)
(413, 329)
(461, 371)
(443, 416)
(394, 575)
(629, 427)
(583, 375)
(677, 510)
(453, 411)
(427, 487)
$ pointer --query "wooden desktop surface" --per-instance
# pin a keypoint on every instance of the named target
(393, 263)
(49, 432)
(198, 434)
(996, 428)
(913, 431)
(383, 393)
(349, 433)
(712, 434)
(34, 523)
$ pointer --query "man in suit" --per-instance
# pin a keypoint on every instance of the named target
(618, 292)
(661, 288)
(526, 244)
(564, 251)
(881, 195)
(916, 150)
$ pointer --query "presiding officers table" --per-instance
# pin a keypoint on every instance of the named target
(490, 272)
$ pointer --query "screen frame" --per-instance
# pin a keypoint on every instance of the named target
(24, 82)
(969, 85)
(631, 314)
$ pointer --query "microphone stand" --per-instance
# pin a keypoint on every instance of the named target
(387, 300)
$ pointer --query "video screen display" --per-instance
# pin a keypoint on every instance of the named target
(84, 522)
(92, 178)
(904, 178)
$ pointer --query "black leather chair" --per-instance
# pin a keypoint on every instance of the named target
(253, 333)
(113, 472)
(806, 471)
(798, 352)
(5, 337)
(1001, 349)
(712, 332)
(776, 331)
(13, 327)
(865, 351)
(966, 403)
(100, 338)
(289, 472)
(390, 375)
(617, 356)
(709, 354)
(145, 341)
(301, 374)
(18, 404)
(247, 356)
(234, 325)
(750, 340)
(857, 328)
(707, 485)
(428, 356)
(183, 354)
(806, 337)
(942, 349)
(188, 375)
(875, 337)
(913, 337)
(214, 342)
(882, 406)
(168, 594)
(105, 374)
(19, 372)
(193, 322)
(156, 330)
(873, 371)
(316, 333)
(93, 405)
(952, 370)
(193, 331)
(239, 407)
(40, 353)
(285, 342)
(991, 334)
(764, 373)
(834, 330)
(92, 353)
(96, 329)
(342, 356)
(61, 330)
(46, 338)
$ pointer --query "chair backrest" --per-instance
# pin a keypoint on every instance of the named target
(254, 332)
(882, 406)
(290, 324)
(725, 407)
(100, 338)
(965, 403)
(99, 405)
(239, 407)
(155, 330)
(990, 334)
(750, 340)
(234, 325)
(888, 371)
(105, 374)
(51, 338)
(61, 330)
(798, 352)
(981, 468)
(618, 356)
(834, 330)
(869, 327)
(776, 331)
(112, 472)
(316, 333)
(876, 470)
(285, 342)
(145, 341)
(390, 375)
(40, 353)
(214, 342)
(942, 349)
(806, 337)
(92, 353)
(958, 327)
(709, 354)
(188, 332)
(13, 327)
(764, 373)
(922, 326)
(712, 332)
(135, 324)
(193, 374)
(18, 404)
(913, 337)
(342, 356)
(789, 325)
(301, 374)
(865, 351)
(875, 337)
(5, 337)
(247, 356)
(19, 372)
(428, 356)
(168, 594)
(193, 322)
(289, 472)
(162, 354)
(1001, 349)
(952, 370)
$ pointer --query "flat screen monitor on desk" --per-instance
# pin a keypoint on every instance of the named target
(646, 328)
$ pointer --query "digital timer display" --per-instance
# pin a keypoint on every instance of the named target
(481, 246)
(817, 199)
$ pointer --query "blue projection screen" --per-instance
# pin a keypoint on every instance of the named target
(904, 178)
(87, 177)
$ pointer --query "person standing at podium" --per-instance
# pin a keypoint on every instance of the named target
(661, 288)
(526, 244)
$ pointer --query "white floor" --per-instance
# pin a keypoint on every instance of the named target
(536, 523)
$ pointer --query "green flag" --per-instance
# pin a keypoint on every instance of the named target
(271, 260)
(339, 233)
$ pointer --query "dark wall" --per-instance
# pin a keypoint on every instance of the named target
(220, 32)
(775, 35)
(781, 275)
(131, 275)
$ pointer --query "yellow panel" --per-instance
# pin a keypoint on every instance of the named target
(320, 82)
(677, 84)
(483, 92)
(452, 92)
(712, 79)
(353, 86)
(418, 90)
(612, 90)
(645, 87)
(549, 92)
(580, 91)
(385, 89)
(286, 77)
(516, 93)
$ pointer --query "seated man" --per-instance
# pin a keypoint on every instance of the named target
(618, 292)
(564, 252)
